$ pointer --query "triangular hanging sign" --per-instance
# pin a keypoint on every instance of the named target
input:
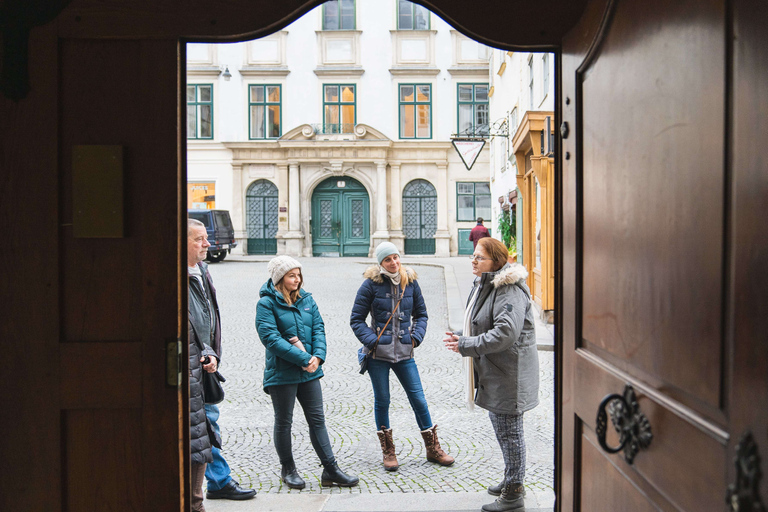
(468, 150)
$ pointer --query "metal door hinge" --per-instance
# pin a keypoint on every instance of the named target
(173, 363)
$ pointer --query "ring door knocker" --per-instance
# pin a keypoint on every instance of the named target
(633, 426)
(743, 495)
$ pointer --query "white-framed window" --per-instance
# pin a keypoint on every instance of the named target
(544, 75)
(411, 16)
(530, 82)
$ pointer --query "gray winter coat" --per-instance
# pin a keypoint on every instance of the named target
(504, 343)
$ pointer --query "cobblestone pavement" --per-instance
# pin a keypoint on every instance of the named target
(247, 417)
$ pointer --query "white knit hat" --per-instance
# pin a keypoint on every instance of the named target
(280, 266)
(384, 249)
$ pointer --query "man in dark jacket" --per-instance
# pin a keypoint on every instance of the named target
(478, 232)
(204, 314)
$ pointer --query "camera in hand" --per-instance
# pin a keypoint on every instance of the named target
(207, 360)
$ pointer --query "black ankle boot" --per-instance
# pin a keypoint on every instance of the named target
(333, 475)
(291, 477)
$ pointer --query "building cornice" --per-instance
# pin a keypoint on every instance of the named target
(203, 71)
(533, 121)
(264, 71)
(339, 71)
(415, 71)
(473, 71)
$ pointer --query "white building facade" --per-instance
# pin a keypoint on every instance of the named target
(334, 134)
(522, 161)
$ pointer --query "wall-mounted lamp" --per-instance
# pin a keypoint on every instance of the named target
(227, 75)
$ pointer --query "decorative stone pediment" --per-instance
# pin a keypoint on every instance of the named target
(309, 132)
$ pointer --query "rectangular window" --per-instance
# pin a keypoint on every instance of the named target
(200, 111)
(530, 82)
(264, 102)
(415, 111)
(411, 16)
(473, 110)
(339, 15)
(339, 108)
(473, 201)
(545, 74)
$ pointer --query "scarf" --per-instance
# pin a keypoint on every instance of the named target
(394, 277)
(468, 366)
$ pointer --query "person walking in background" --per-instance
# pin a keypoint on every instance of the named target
(204, 312)
(478, 232)
(499, 335)
(391, 294)
(292, 330)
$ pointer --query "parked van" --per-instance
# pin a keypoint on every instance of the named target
(221, 234)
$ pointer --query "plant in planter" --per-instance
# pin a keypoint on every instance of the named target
(506, 227)
(512, 250)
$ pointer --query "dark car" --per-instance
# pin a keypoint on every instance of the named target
(221, 234)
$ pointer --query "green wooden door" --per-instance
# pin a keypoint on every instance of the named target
(261, 220)
(340, 218)
(465, 246)
(419, 217)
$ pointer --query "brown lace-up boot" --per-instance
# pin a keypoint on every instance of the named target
(388, 448)
(434, 452)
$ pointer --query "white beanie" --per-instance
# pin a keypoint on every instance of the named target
(384, 249)
(280, 266)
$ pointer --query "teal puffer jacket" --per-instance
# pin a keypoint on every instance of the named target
(276, 323)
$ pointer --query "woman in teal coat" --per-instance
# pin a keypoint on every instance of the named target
(293, 332)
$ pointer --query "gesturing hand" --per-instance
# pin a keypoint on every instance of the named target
(451, 342)
(313, 365)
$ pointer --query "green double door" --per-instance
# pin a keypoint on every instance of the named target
(340, 218)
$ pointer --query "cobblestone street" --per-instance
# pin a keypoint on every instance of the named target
(246, 415)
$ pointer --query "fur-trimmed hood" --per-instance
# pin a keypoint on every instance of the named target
(407, 275)
(510, 273)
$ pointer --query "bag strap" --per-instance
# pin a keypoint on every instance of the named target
(402, 294)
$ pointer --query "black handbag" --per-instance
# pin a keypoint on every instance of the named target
(213, 392)
(363, 356)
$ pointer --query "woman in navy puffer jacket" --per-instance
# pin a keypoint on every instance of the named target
(391, 290)
(292, 330)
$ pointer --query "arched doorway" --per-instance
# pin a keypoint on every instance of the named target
(340, 218)
(261, 217)
(419, 217)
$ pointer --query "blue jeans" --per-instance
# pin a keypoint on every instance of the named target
(310, 396)
(217, 472)
(408, 375)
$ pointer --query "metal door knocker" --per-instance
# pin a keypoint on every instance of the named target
(633, 426)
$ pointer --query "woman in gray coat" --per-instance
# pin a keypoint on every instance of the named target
(499, 336)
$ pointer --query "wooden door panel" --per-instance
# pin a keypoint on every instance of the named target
(653, 193)
(99, 439)
(613, 491)
(682, 439)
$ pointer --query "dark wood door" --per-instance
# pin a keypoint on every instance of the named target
(656, 207)
(91, 312)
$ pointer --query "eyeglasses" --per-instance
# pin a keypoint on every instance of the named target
(479, 259)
